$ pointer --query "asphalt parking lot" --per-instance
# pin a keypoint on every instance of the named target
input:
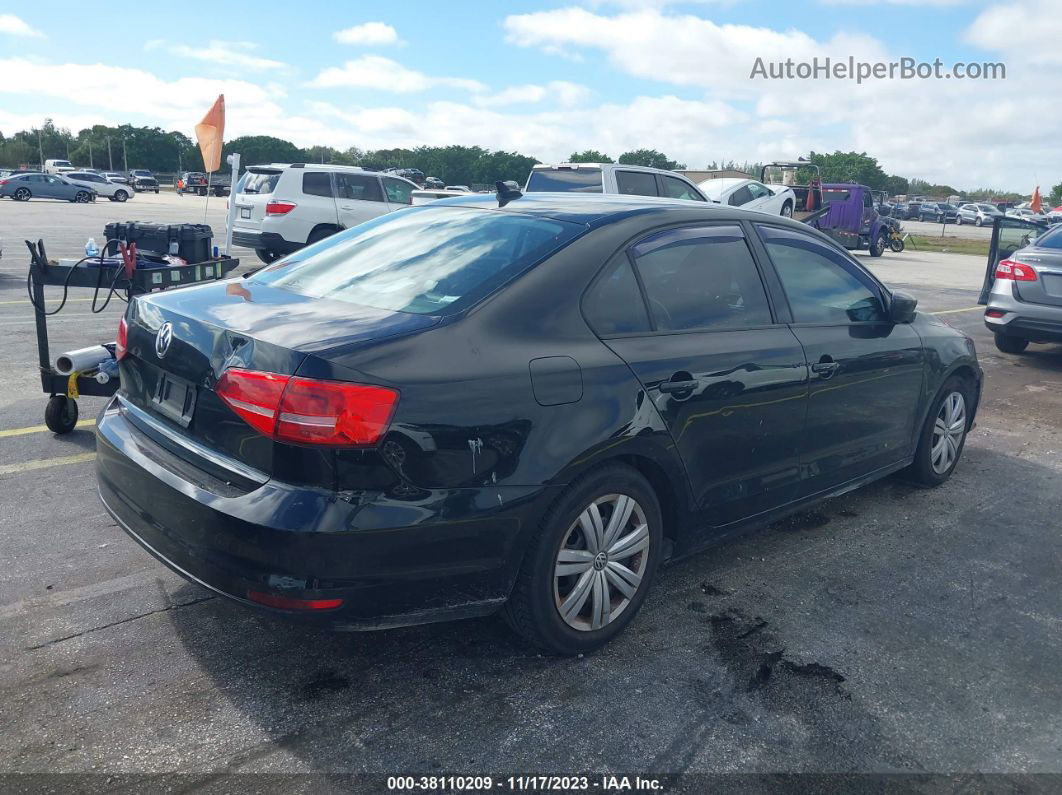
(891, 630)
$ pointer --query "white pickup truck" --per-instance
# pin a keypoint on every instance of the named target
(611, 178)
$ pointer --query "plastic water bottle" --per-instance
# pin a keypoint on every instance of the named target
(91, 249)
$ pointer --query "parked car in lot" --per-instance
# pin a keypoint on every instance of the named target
(910, 211)
(1026, 214)
(58, 166)
(114, 176)
(937, 211)
(524, 403)
(140, 179)
(116, 192)
(611, 178)
(23, 187)
(1025, 302)
(977, 213)
(282, 207)
(750, 194)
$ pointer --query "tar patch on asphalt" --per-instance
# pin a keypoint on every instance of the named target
(322, 683)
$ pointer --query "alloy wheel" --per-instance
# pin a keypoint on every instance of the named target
(601, 562)
(948, 431)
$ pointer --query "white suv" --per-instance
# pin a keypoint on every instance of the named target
(284, 206)
(611, 178)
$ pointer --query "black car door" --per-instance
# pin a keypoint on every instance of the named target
(866, 372)
(728, 380)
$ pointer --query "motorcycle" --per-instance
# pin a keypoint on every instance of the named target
(893, 234)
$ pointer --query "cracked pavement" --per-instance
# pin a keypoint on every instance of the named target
(892, 629)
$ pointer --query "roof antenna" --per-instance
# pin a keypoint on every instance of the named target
(507, 191)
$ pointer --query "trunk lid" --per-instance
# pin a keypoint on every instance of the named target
(1047, 289)
(253, 192)
(220, 325)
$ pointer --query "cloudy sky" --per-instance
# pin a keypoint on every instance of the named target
(547, 78)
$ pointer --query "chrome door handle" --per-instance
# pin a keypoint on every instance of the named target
(668, 387)
(825, 369)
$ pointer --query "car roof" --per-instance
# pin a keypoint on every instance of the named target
(599, 209)
(721, 185)
(624, 166)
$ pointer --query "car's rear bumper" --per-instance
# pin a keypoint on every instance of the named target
(264, 241)
(394, 560)
(1036, 322)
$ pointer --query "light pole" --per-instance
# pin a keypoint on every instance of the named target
(110, 159)
(40, 148)
(125, 158)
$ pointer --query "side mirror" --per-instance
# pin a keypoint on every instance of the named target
(902, 308)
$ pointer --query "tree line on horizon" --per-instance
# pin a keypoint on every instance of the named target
(126, 146)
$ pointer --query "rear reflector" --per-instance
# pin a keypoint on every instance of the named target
(1016, 271)
(994, 313)
(279, 208)
(121, 342)
(291, 603)
(309, 410)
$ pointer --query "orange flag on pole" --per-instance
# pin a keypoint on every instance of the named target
(210, 133)
(1037, 204)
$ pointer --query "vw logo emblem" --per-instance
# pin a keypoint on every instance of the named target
(163, 339)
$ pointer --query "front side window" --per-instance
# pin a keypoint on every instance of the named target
(425, 260)
(758, 191)
(359, 187)
(317, 183)
(701, 278)
(818, 281)
(398, 192)
(677, 189)
(636, 183)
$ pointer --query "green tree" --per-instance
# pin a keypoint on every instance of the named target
(1054, 198)
(650, 158)
(258, 149)
(857, 167)
(590, 156)
(896, 185)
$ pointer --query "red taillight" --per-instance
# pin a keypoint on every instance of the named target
(292, 603)
(308, 410)
(279, 208)
(994, 313)
(3, 182)
(1016, 271)
(121, 342)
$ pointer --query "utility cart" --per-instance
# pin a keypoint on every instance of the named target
(107, 281)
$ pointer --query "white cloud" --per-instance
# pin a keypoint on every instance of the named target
(14, 26)
(941, 3)
(1028, 31)
(383, 74)
(559, 92)
(369, 33)
(226, 53)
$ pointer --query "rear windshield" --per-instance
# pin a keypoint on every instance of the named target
(1052, 239)
(566, 180)
(835, 195)
(425, 260)
(257, 182)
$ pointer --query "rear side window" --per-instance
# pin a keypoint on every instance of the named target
(358, 186)
(426, 260)
(614, 304)
(253, 181)
(819, 282)
(317, 183)
(677, 189)
(565, 180)
(701, 278)
(741, 196)
(636, 183)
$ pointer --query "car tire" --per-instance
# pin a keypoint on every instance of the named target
(22, 195)
(787, 210)
(1009, 344)
(958, 220)
(978, 221)
(942, 440)
(156, 191)
(120, 195)
(878, 244)
(81, 197)
(598, 608)
(267, 255)
(319, 234)
(60, 415)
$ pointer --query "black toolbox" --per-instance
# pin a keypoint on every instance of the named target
(190, 242)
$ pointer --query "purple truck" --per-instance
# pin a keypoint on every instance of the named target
(849, 216)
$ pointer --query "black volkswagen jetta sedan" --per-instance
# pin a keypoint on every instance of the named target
(523, 405)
